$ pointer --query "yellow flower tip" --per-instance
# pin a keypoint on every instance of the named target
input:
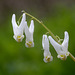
(19, 39)
(67, 54)
(63, 57)
(29, 44)
(48, 59)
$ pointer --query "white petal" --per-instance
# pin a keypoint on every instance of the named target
(55, 45)
(22, 24)
(46, 53)
(47, 58)
(26, 29)
(29, 36)
(31, 28)
(29, 33)
(66, 39)
(14, 24)
(18, 39)
(45, 43)
(43, 38)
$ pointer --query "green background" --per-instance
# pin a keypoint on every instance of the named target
(15, 58)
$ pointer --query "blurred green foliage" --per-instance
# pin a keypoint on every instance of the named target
(16, 59)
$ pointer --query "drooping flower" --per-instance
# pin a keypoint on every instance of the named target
(29, 34)
(47, 54)
(18, 30)
(62, 50)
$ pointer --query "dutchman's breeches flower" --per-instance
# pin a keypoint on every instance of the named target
(18, 30)
(47, 54)
(62, 50)
(29, 34)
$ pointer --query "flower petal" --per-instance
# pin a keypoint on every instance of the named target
(26, 29)
(66, 40)
(22, 24)
(45, 43)
(31, 28)
(29, 36)
(55, 45)
(14, 24)
(47, 56)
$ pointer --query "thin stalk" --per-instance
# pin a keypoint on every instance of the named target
(42, 25)
(19, 19)
(73, 58)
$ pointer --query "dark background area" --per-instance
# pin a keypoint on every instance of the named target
(15, 58)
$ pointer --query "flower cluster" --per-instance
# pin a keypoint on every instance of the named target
(61, 49)
(23, 28)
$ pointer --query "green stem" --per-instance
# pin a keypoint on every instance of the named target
(42, 25)
(19, 19)
(48, 31)
(73, 58)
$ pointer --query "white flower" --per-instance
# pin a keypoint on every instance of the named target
(47, 54)
(18, 30)
(29, 34)
(62, 50)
